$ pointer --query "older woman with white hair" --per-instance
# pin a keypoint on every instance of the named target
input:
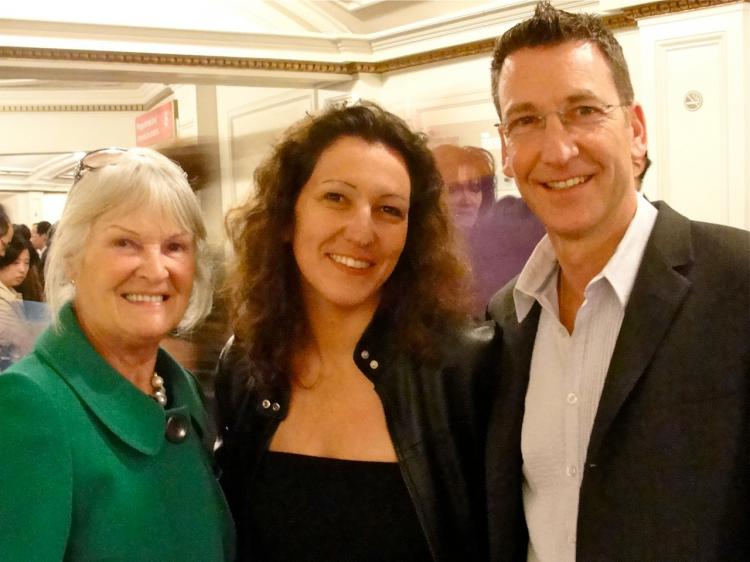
(107, 445)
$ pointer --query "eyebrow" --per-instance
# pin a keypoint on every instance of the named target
(582, 95)
(138, 234)
(383, 194)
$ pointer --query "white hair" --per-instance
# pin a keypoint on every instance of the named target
(140, 178)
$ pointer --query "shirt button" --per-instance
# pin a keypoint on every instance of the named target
(571, 539)
(572, 471)
(572, 398)
(365, 354)
(266, 404)
(276, 406)
(374, 364)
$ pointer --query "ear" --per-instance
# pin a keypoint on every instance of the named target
(507, 168)
(71, 270)
(639, 142)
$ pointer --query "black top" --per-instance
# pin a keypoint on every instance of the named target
(437, 418)
(307, 508)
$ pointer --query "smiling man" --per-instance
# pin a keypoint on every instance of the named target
(624, 404)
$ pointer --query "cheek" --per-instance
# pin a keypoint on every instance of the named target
(398, 244)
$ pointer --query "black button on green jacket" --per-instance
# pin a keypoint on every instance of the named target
(87, 471)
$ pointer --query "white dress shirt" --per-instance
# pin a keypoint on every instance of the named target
(566, 378)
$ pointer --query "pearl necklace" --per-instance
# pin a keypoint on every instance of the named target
(158, 392)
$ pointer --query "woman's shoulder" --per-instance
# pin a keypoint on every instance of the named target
(33, 372)
(30, 390)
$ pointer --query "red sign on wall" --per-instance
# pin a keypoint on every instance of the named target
(156, 125)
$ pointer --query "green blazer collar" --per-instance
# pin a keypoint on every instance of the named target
(128, 413)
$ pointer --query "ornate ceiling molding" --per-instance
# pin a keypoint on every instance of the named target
(53, 108)
(74, 55)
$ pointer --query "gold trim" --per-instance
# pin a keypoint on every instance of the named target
(674, 7)
(41, 108)
(116, 57)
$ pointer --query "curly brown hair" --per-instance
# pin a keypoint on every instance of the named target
(427, 287)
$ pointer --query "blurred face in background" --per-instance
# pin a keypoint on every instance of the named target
(463, 173)
(13, 274)
(39, 241)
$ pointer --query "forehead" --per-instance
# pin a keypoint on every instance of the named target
(148, 221)
(552, 74)
(354, 160)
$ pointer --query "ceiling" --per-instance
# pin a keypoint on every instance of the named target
(326, 31)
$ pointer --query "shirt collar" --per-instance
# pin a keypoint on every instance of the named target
(541, 269)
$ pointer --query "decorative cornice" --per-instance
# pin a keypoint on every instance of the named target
(114, 57)
(674, 7)
(438, 55)
(52, 108)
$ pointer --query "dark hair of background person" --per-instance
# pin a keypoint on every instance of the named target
(427, 286)
(549, 27)
(43, 227)
(488, 182)
(4, 221)
(31, 287)
(22, 229)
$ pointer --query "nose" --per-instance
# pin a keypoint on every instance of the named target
(462, 194)
(153, 265)
(558, 145)
(359, 228)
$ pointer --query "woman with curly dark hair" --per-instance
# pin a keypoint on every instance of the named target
(352, 400)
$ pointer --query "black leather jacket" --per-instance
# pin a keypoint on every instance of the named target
(436, 416)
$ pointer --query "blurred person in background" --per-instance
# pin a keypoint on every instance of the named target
(41, 235)
(6, 230)
(111, 444)
(23, 230)
(15, 333)
(468, 174)
(31, 288)
(352, 399)
(499, 236)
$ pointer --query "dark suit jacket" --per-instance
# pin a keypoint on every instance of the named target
(667, 473)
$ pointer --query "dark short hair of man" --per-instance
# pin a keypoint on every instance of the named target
(42, 227)
(550, 27)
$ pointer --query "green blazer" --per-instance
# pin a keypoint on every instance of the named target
(88, 470)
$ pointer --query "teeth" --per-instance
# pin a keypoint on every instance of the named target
(144, 298)
(349, 261)
(566, 183)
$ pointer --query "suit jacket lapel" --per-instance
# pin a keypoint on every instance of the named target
(658, 292)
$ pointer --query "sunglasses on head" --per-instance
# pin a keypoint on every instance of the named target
(97, 159)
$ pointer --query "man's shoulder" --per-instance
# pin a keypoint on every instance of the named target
(710, 243)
